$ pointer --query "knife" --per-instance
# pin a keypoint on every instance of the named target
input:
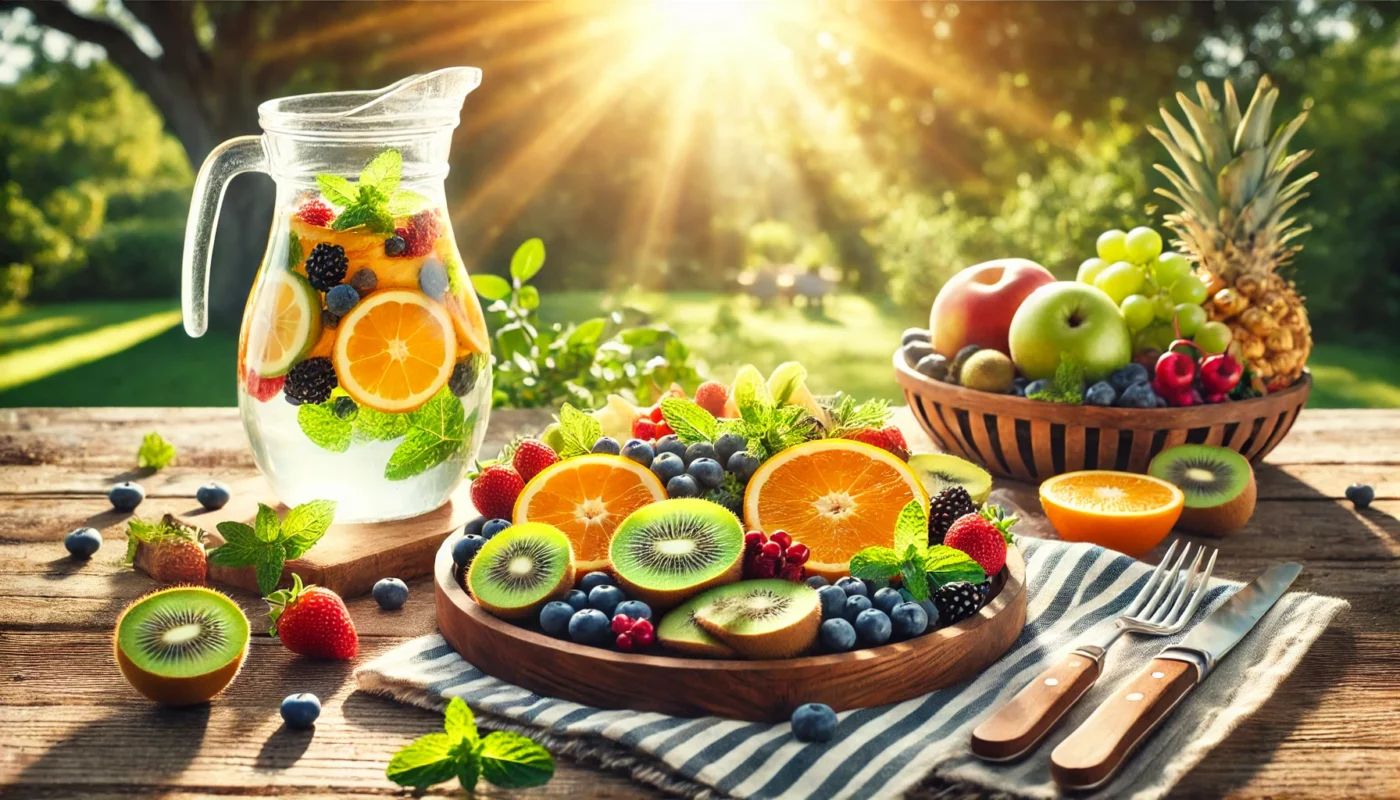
(1090, 756)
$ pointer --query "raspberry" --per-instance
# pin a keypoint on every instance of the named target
(419, 234)
(316, 213)
(662, 429)
(712, 396)
(644, 429)
(776, 556)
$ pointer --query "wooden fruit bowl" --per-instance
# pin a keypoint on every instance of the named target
(1031, 441)
(765, 691)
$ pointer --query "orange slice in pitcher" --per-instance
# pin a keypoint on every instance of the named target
(836, 496)
(587, 497)
(394, 350)
(1119, 510)
(287, 324)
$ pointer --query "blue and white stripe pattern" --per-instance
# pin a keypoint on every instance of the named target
(882, 752)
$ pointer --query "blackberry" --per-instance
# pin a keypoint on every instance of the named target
(326, 266)
(465, 374)
(984, 591)
(311, 381)
(950, 505)
(957, 601)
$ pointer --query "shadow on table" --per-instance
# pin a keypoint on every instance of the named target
(283, 748)
(169, 740)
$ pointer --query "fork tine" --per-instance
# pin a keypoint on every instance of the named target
(1168, 582)
(1200, 592)
(1167, 615)
(1151, 585)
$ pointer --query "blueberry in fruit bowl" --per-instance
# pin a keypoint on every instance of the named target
(682, 486)
(742, 466)
(886, 599)
(577, 599)
(817, 582)
(931, 611)
(341, 298)
(126, 496)
(606, 599)
(474, 526)
(727, 445)
(1100, 394)
(667, 466)
(1018, 387)
(908, 620)
(633, 609)
(813, 722)
(301, 710)
(1124, 377)
(593, 580)
(638, 451)
(855, 604)
(699, 450)
(707, 472)
(873, 627)
(933, 366)
(833, 600)
(554, 618)
(852, 586)
(1139, 395)
(83, 542)
(466, 549)
(607, 446)
(1035, 387)
(1360, 495)
(493, 527)
(670, 443)
(591, 626)
(390, 594)
(212, 495)
(837, 636)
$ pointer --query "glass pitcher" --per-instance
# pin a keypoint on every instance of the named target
(364, 361)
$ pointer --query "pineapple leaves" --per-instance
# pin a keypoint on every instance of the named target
(1232, 107)
(1253, 132)
(1209, 134)
(1283, 136)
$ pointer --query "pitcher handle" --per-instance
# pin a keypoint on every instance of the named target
(230, 159)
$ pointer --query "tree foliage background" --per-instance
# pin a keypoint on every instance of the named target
(917, 139)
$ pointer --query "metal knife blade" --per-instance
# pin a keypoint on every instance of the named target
(1218, 633)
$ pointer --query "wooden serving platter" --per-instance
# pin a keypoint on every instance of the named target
(764, 691)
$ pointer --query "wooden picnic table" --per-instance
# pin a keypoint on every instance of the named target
(70, 725)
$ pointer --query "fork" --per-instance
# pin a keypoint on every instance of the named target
(1163, 607)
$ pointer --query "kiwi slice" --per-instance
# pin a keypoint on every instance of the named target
(680, 632)
(520, 569)
(1218, 484)
(939, 471)
(665, 552)
(768, 618)
(181, 646)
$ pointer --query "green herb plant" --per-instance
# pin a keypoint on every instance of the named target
(376, 199)
(268, 543)
(507, 760)
(921, 568)
(1066, 387)
(155, 453)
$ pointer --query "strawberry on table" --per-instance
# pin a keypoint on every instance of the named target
(494, 491)
(983, 536)
(531, 457)
(312, 621)
(168, 551)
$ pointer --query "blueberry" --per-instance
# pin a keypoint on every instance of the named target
(593, 580)
(493, 527)
(394, 245)
(591, 626)
(607, 446)
(1139, 395)
(1100, 394)
(466, 549)
(699, 450)
(727, 445)
(670, 443)
(83, 542)
(474, 526)
(886, 599)
(908, 620)
(212, 495)
(667, 465)
(1018, 386)
(345, 408)
(852, 586)
(707, 472)
(432, 278)
(1360, 495)
(634, 609)
(837, 635)
(933, 366)
(817, 582)
(341, 298)
(742, 466)
(855, 604)
(682, 486)
(364, 281)
(873, 627)
(930, 611)
(1124, 377)
(1161, 402)
(554, 618)
(871, 587)
(577, 599)
(605, 599)
(1037, 386)
(639, 451)
(329, 319)
(301, 710)
(126, 496)
(813, 722)
(833, 601)
(390, 593)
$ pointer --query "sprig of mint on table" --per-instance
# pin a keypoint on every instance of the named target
(917, 564)
(507, 760)
(155, 453)
(376, 199)
(268, 544)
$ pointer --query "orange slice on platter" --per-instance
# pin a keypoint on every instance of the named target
(394, 350)
(1119, 510)
(587, 497)
(286, 326)
(836, 496)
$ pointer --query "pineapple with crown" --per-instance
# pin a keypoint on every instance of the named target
(1235, 196)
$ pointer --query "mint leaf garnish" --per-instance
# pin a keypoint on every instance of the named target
(240, 548)
(436, 432)
(321, 425)
(512, 761)
(690, 422)
(376, 200)
(376, 218)
(295, 254)
(405, 202)
(911, 527)
(268, 544)
(337, 189)
(268, 568)
(508, 760)
(579, 430)
(946, 564)
(918, 565)
(752, 398)
(1067, 386)
(154, 453)
(875, 563)
(379, 426)
(383, 172)
(914, 579)
(460, 723)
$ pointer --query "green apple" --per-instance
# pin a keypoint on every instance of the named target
(1072, 319)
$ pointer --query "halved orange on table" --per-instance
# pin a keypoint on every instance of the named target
(587, 497)
(836, 496)
(1122, 511)
(395, 350)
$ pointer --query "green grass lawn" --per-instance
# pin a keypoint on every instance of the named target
(136, 353)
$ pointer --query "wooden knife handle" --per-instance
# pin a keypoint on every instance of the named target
(1017, 727)
(1098, 747)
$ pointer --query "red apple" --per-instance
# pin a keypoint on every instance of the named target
(977, 304)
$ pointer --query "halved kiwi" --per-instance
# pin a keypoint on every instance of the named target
(665, 552)
(939, 471)
(769, 618)
(522, 568)
(680, 632)
(1218, 484)
(181, 646)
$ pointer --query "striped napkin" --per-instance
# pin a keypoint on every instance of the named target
(886, 751)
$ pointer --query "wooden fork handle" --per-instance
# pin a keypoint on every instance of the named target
(1098, 747)
(1017, 727)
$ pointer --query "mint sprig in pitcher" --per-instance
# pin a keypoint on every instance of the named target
(364, 360)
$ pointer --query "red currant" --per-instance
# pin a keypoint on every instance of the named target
(798, 554)
(621, 623)
(754, 539)
(782, 538)
(791, 572)
(624, 641)
(642, 625)
(772, 550)
(644, 638)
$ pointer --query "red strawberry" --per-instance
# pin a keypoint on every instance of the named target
(312, 621)
(643, 428)
(655, 414)
(532, 456)
(983, 537)
(316, 213)
(419, 234)
(171, 552)
(869, 436)
(662, 429)
(260, 388)
(711, 396)
(895, 442)
(495, 489)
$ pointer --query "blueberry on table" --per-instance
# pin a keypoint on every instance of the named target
(577, 599)
(591, 626)
(607, 446)
(699, 450)
(493, 527)
(837, 635)
(886, 599)
(908, 620)
(633, 609)
(813, 722)
(833, 600)
(301, 710)
(466, 549)
(852, 586)
(667, 466)
(555, 616)
(707, 472)
(682, 486)
(593, 580)
(606, 598)
(1360, 495)
(83, 542)
(639, 451)
(126, 496)
(212, 495)
(855, 604)
(727, 445)
(390, 594)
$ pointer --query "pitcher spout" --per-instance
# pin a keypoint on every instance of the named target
(416, 103)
